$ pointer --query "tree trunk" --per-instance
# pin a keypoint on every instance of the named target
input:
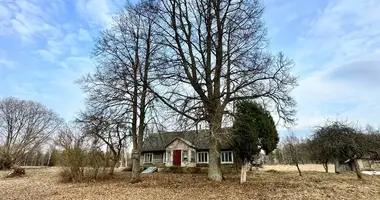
(113, 164)
(243, 174)
(336, 165)
(48, 162)
(326, 167)
(214, 168)
(298, 168)
(135, 166)
(357, 169)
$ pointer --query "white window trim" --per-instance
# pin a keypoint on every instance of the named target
(164, 157)
(145, 155)
(202, 153)
(232, 157)
(169, 156)
(182, 158)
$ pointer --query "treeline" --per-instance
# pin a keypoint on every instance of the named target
(335, 142)
(33, 135)
(39, 157)
(25, 127)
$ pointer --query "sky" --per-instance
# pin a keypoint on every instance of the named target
(45, 45)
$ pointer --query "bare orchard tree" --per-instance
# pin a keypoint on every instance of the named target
(24, 127)
(125, 53)
(291, 148)
(110, 131)
(214, 53)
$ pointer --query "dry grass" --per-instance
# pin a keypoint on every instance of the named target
(43, 184)
(308, 167)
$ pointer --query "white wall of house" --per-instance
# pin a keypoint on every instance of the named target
(193, 157)
(183, 147)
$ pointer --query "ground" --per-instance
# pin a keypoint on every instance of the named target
(280, 182)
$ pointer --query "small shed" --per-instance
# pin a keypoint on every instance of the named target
(364, 164)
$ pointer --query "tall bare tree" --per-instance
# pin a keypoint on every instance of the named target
(214, 53)
(125, 54)
(24, 127)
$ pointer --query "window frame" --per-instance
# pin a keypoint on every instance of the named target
(198, 157)
(187, 156)
(227, 162)
(151, 158)
(168, 156)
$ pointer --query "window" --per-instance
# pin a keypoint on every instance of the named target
(184, 155)
(202, 157)
(148, 158)
(164, 157)
(226, 157)
(192, 156)
(169, 156)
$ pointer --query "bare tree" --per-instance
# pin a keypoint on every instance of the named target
(125, 54)
(344, 142)
(291, 148)
(111, 131)
(24, 127)
(214, 53)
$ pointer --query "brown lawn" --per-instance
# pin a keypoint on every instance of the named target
(43, 183)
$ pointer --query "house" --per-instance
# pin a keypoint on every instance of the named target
(183, 149)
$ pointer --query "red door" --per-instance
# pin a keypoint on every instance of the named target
(177, 157)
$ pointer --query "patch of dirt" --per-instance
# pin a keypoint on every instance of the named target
(44, 183)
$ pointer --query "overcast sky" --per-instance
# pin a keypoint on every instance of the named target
(45, 46)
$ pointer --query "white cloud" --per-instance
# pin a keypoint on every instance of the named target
(341, 52)
(28, 19)
(4, 13)
(95, 11)
(84, 36)
(6, 63)
(68, 45)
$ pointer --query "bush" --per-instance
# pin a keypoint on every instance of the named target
(5, 160)
(186, 170)
(5, 163)
(73, 163)
(127, 169)
(80, 163)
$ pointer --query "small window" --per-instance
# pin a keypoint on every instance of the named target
(192, 156)
(184, 155)
(164, 157)
(202, 157)
(169, 156)
(226, 157)
(148, 158)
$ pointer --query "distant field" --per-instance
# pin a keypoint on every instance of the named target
(307, 167)
(284, 183)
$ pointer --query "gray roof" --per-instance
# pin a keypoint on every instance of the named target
(183, 140)
(199, 139)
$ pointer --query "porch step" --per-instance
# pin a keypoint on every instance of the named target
(149, 170)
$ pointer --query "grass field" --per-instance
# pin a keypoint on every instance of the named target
(280, 183)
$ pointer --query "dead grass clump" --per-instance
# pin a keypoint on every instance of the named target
(127, 169)
(17, 172)
(272, 171)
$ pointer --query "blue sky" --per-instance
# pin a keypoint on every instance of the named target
(45, 46)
